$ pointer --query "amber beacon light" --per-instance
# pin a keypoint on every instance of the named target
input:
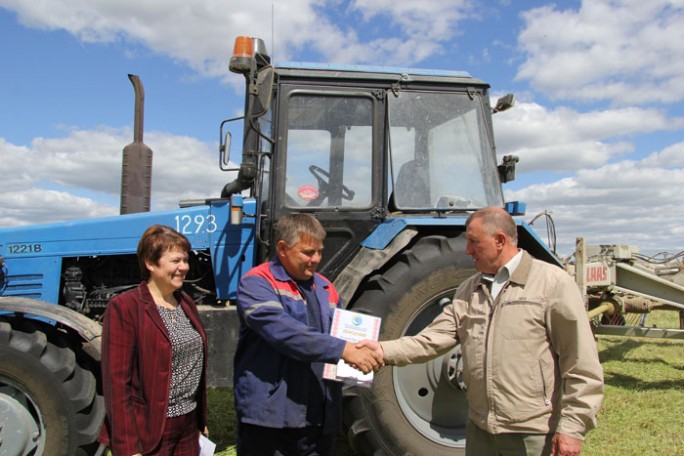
(243, 55)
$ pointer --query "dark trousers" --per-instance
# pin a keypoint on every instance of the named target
(263, 441)
(481, 443)
(181, 437)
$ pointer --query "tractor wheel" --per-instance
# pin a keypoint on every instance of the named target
(48, 402)
(418, 409)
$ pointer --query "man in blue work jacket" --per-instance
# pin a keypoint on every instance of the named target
(283, 404)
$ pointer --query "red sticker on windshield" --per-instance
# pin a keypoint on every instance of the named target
(307, 193)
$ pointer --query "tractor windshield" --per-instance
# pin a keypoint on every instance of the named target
(441, 154)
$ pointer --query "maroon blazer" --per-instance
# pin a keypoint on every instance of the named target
(136, 371)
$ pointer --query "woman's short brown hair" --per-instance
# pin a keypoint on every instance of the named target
(156, 240)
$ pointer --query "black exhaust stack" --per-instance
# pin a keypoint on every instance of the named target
(136, 166)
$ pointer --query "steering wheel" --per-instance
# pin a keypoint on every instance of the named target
(323, 181)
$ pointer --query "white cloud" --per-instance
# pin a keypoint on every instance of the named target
(201, 33)
(629, 202)
(79, 176)
(431, 19)
(14, 174)
(626, 52)
(36, 205)
(562, 139)
(83, 159)
(672, 156)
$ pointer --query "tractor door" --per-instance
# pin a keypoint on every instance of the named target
(327, 161)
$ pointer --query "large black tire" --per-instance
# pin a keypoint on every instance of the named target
(48, 402)
(419, 409)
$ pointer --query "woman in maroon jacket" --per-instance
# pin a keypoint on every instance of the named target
(154, 356)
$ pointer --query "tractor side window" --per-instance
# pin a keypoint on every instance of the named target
(329, 151)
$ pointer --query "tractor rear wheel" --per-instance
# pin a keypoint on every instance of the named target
(48, 401)
(418, 409)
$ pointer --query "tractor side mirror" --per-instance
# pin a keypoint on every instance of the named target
(224, 153)
(504, 103)
(507, 168)
(264, 91)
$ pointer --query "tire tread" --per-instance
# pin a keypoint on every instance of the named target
(430, 253)
(77, 385)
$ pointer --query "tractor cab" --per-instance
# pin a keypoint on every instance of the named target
(355, 145)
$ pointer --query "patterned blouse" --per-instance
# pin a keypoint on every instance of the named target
(187, 358)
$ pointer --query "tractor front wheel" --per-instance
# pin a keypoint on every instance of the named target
(418, 409)
(48, 402)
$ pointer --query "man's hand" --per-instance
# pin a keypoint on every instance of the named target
(564, 445)
(375, 346)
(363, 359)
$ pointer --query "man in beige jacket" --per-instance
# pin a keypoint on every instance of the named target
(531, 368)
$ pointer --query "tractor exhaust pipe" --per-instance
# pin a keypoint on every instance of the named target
(136, 165)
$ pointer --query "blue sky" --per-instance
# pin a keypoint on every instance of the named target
(598, 124)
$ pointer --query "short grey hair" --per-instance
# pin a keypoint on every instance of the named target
(291, 228)
(496, 219)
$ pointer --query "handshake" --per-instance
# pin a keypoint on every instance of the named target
(366, 355)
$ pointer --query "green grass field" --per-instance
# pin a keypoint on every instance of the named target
(642, 412)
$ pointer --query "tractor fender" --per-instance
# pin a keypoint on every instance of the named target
(89, 330)
(369, 259)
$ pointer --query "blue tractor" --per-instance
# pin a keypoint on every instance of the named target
(390, 160)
